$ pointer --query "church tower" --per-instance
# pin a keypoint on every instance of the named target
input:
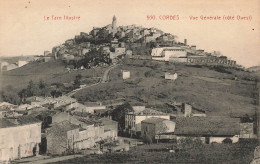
(114, 25)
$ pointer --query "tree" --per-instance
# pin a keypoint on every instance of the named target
(227, 140)
(44, 89)
(118, 114)
(32, 89)
(77, 81)
(10, 95)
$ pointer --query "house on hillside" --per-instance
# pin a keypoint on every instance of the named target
(169, 76)
(19, 137)
(133, 119)
(126, 74)
(207, 129)
(174, 53)
(153, 126)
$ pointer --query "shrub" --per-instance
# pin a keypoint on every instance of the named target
(148, 139)
(149, 74)
(227, 141)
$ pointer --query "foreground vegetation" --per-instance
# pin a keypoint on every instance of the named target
(238, 153)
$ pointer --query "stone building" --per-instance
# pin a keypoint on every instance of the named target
(61, 137)
(155, 126)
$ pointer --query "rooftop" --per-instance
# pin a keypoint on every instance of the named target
(213, 126)
(63, 126)
(18, 121)
(153, 120)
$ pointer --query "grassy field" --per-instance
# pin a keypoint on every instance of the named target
(50, 72)
(239, 153)
(208, 88)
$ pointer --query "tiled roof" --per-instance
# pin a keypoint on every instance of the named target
(63, 126)
(153, 120)
(213, 126)
(18, 121)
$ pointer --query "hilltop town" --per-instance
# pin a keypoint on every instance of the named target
(127, 93)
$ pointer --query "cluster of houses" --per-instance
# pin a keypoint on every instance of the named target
(52, 126)
(186, 122)
(115, 48)
(183, 53)
(62, 125)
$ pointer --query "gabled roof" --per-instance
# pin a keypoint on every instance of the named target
(209, 126)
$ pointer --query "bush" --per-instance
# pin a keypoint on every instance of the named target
(227, 141)
(149, 74)
(148, 139)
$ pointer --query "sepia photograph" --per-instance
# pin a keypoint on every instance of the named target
(114, 81)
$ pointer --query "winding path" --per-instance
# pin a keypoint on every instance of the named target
(104, 79)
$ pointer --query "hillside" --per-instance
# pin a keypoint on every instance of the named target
(213, 89)
(50, 72)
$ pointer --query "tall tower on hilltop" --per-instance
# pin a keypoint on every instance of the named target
(114, 25)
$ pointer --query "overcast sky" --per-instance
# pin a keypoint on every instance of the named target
(23, 30)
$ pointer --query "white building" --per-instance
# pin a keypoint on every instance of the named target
(19, 137)
(126, 74)
(133, 119)
(169, 76)
(21, 63)
(166, 53)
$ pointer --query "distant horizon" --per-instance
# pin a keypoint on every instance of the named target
(24, 27)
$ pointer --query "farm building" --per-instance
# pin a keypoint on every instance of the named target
(208, 129)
